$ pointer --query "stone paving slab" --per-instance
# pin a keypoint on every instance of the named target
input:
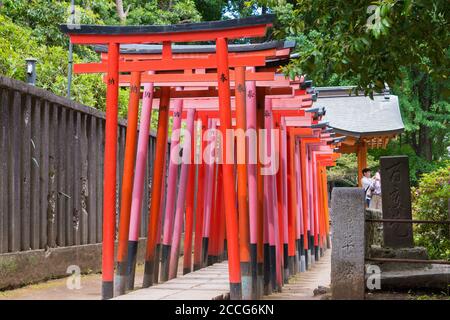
(210, 283)
(302, 285)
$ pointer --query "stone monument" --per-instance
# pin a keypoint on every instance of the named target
(396, 201)
(347, 251)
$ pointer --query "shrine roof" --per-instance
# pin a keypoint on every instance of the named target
(360, 116)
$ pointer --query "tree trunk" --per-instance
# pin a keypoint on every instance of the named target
(424, 93)
(120, 12)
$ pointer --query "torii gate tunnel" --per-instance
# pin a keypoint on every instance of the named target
(252, 186)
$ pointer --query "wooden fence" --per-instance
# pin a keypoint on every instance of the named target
(51, 170)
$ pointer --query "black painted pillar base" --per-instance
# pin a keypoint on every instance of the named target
(121, 278)
(260, 280)
(235, 291)
(247, 284)
(212, 259)
(273, 268)
(254, 269)
(149, 268)
(267, 271)
(131, 264)
(225, 250)
(157, 261)
(107, 290)
(285, 263)
(291, 265)
(186, 270)
(197, 267)
(205, 242)
(165, 256)
(301, 252)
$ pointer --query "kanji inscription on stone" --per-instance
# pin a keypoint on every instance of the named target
(396, 201)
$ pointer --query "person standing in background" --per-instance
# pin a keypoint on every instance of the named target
(367, 183)
(375, 202)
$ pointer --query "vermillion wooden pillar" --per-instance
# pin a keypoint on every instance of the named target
(260, 99)
(361, 153)
(244, 237)
(127, 180)
(305, 211)
(209, 188)
(199, 215)
(171, 193)
(293, 202)
(284, 191)
(181, 197)
(138, 183)
(190, 204)
(252, 180)
(228, 174)
(160, 221)
(216, 217)
(271, 194)
(158, 175)
(298, 214)
(109, 177)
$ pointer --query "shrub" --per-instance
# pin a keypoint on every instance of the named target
(430, 201)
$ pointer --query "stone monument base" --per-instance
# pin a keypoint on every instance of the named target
(434, 277)
(416, 253)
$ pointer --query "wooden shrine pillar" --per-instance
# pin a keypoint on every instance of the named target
(228, 171)
(361, 154)
(109, 177)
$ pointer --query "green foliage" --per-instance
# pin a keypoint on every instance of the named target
(425, 111)
(368, 41)
(161, 12)
(417, 164)
(18, 44)
(430, 201)
(210, 10)
(44, 16)
(345, 173)
(31, 29)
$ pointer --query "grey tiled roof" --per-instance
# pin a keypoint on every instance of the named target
(359, 116)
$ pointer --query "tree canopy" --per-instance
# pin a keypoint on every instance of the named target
(400, 43)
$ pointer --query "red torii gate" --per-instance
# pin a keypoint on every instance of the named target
(253, 50)
(113, 36)
(278, 97)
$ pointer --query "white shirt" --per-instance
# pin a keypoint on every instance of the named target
(367, 184)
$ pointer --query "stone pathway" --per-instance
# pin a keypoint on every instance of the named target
(57, 289)
(210, 283)
(302, 285)
(206, 284)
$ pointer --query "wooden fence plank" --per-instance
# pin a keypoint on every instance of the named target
(61, 178)
(14, 181)
(92, 176)
(35, 172)
(83, 180)
(44, 170)
(25, 177)
(4, 195)
(77, 179)
(70, 178)
(52, 175)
